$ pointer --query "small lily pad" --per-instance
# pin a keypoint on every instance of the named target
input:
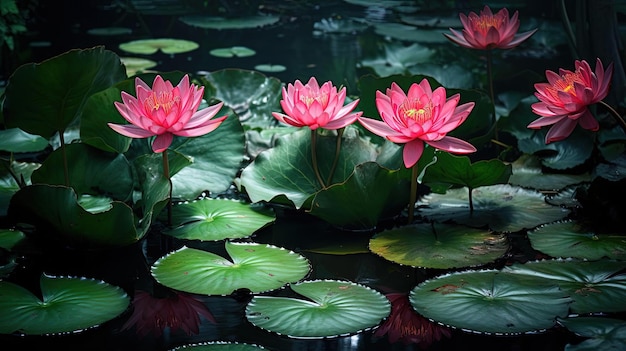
(235, 51)
(219, 346)
(136, 65)
(332, 308)
(270, 68)
(67, 305)
(166, 45)
(255, 267)
(218, 219)
(441, 246)
(491, 302)
(571, 239)
(104, 31)
(212, 22)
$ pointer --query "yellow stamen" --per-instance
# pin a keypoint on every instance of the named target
(309, 99)
(484, 23)
(164, 100)
(416, 111)
(566, 84)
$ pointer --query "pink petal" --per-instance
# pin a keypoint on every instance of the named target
(130, 130)
(202, 129)
(560, 130)
(587, 121)
(412, 152)
(453, 145)
(162, 142)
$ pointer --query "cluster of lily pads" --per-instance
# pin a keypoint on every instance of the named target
(70, 181)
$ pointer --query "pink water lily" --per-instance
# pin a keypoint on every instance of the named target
(421, 116)
(489, 31)
(564, 101)
(309, 105)
(164, 111)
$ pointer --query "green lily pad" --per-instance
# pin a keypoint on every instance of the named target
(219, 346)
(406, 32)
(455, 171)
(218, 219)
(502, 207)
(136, 65)
(571, 239)
(235, 51)
(212, 22)
(331, 308)
(528, 173)
(17, 140)
(166, 45)
(255, 267)
(93, 70)
(270, 68)
(10, 237)
(398, 58)
(603, 333)
(440, 246)
(105, 31)
(595, 287)
(491, 302)
(67, 305)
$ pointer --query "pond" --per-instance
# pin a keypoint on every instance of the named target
(455, 224)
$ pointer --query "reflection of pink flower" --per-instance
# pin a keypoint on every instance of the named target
(177, 311)
(164, 111)
(407, 326)
(316, 107)
(489, 31)
(420, 116)
(564, 100)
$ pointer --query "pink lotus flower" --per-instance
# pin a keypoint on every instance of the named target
(316, 107)
(407, 326)
(420, 116)
(489, 31)
(565, 99)
(151, 315)
(164, 111)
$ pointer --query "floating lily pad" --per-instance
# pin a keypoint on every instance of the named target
(270, 68)
(136, 65)
(527, 172)
(211, 22)
(595, 287)
(571, 239)
(218, 219)
(219, 346)
(331, 308)
(235, 51)
(67, 305)
(109, 31)
(255, 267)
(441, 246)
(166, 45)
(502, 207)
(410, 33)
(491, 302)
(603, 333)
(398, 58)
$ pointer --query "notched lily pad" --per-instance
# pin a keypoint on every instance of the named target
(211, 22)
(235, 51)
(166, 45)
(218, 219)
(67, 305)
(255, 267)
(331, 308)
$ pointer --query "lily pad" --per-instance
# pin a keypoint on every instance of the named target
(235, 51)
(105, 31)
(411, 33)
(595, 287)
(66, 305)
(255, 267)
(571, 239)
(219, 346)
(211, 22)
(398, 58)
(218, 219)
(528, 172)
(136, 65)
(602, 333)
(166, 45)
(270, 68)
(10, 237)
(491, 302)
(502, 207)
(331, 308)
(440, 246)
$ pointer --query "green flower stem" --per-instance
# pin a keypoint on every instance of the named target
(471, 199)
(413, 194)
(314, 158)
(616, 115)
(166, 174)
(494, 122)
(65, 167)
(337, 149)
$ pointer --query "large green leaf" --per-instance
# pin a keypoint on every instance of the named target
(528, 173)
(501, 207)
(17, 140)
(216, 156)
(571, 239)
(45, 98)
(606, 334)
(255, 267)
(56, 211)
(66, 305)
(287, 170)
(441, 246)
(594, 286)
(331, 308)
(90, 171)
(218, 219)
(491, 301)
(368, 195)
(455, 171)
